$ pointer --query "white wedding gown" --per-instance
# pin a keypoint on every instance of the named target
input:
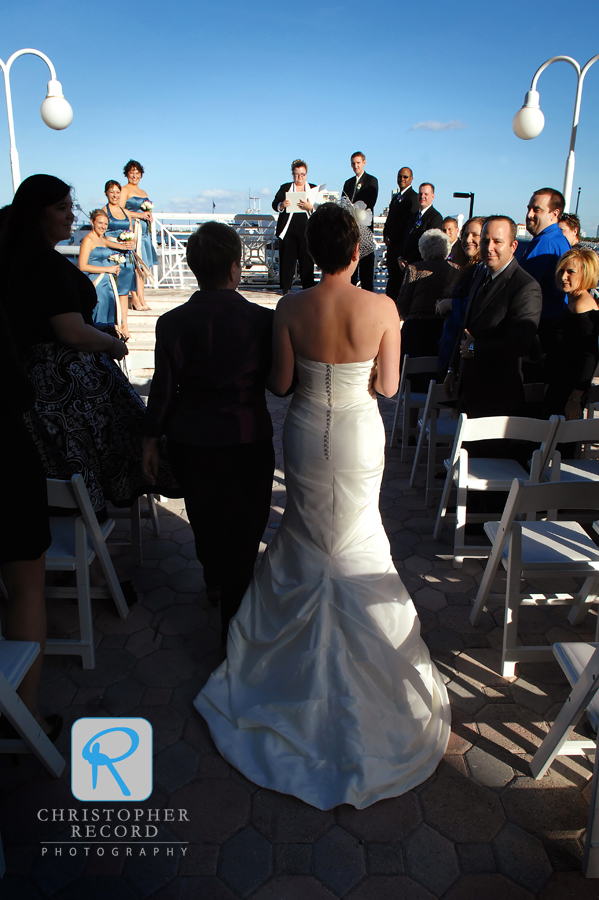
(328, 691)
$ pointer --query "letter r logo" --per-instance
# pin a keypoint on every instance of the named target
(111, 759)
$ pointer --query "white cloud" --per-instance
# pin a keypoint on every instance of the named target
(431, 125)
(265, 192)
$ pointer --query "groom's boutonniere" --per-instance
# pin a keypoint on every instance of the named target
(359, 185)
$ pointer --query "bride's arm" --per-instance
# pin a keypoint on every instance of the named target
(386, 380)
(283, 358)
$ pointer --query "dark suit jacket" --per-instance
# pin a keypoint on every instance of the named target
(503, 324)
(368, 192)
(431, 219)
(400, 209)
(280, 196)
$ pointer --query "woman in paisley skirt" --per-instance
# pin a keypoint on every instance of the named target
(87, 417)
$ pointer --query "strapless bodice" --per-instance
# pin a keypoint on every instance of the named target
(338, 385)
(133, 204)
(115, 226)
(99, 257)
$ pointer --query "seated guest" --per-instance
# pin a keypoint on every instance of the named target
(213, 355)
(87, 417)
(570, 227)
(452, 230)
(573, 351)
(424, 284)
(454, 307)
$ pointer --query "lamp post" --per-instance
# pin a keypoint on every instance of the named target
(529, 121)
(55, 110)
(466, 196)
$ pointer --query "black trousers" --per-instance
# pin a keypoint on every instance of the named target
(293, 248)
(227, 491)
(365, 273)
(395, 274)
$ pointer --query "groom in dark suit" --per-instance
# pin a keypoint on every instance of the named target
(500, 325)
(363, 187)
(426, 217)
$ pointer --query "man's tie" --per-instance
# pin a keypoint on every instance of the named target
(417, 223)
(355, 190)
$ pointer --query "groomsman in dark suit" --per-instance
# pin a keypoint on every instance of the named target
(363, 187)
(426, 217)
(500, 325)
(402, 205)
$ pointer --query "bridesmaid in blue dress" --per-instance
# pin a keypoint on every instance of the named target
(119, 221)
(94, 260)
(133, 196)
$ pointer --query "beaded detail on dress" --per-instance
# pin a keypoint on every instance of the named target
(327, 432)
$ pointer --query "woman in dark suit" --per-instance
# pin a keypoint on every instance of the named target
(291, 230)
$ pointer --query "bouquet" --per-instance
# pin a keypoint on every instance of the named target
(125, 236)
(117, 259)
(147, 206)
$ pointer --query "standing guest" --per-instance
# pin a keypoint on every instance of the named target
(426, 217)
(454, 307)
(95, 261)
(500, 325)
(87, 417)
(363, 187)
(452, 230)
(572, 347)
(119, 221)
(402, 205)
(570, 227)
(213, 355)
(291, 230)
(25, 532)
(541, 255)
(134, 197)
(424, 284)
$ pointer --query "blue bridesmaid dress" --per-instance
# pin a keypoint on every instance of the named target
(105, 309)
(127, 280)
(148, 254)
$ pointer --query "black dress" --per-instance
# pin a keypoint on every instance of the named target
(24, 527)
(87, 417)
(572, 357)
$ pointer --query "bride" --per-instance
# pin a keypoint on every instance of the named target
(328, 691)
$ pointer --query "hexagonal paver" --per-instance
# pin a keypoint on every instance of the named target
(338, 860)
(522, 858)
(385, 859)
(486, 768)
(111, 666)
(569, 886)
(554, 813)
(182, 619)
(143, 642)
(462, 810)
(164, 668)
(293, 859)
(512, 727)
(430, 599)
(383, 822)
(175, 766)
(431, 859)
(476, 858)
(121, 698)
(245, 861)
(285, 819)
(489, 887)
(389, 887)
(293, 887)
(217, 808)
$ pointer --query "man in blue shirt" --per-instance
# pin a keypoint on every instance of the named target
(542, 254)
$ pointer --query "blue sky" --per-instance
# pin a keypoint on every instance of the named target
(217, 99)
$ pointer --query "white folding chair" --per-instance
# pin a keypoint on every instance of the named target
(75, 544)
(408, 399)
(531, 549)
(592, 401)
(578, 431)
(435, 430)
(487, 474)
(16, 658)
(580, 663)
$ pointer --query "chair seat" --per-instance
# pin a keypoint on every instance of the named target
(492, 474)
(579, 470)
(61, 553)
(547, 545)
(574, 657)
(446, 428)
(16, 658)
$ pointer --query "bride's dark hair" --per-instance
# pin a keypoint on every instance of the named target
(332, 235)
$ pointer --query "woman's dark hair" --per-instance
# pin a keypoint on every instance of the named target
(211, 251)
(332, 235)
(472, 261)
(110, 183)
(572, 221)
(22, 234)
(133, 164)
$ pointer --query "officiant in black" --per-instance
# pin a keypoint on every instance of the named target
(291, 230)
(363, 187)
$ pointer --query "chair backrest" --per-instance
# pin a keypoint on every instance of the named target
(420, 364)
(490, 428)
(73, 495)
(584, 431)
(528, 498)
(140, 359)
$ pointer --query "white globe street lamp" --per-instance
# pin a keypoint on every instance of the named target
(529, 121)
(56, 112)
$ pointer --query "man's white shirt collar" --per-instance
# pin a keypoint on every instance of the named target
(499, 271)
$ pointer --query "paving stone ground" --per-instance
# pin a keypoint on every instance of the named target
(480, 827)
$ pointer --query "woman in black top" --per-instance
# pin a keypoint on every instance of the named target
(86, 418)
(573, 352)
